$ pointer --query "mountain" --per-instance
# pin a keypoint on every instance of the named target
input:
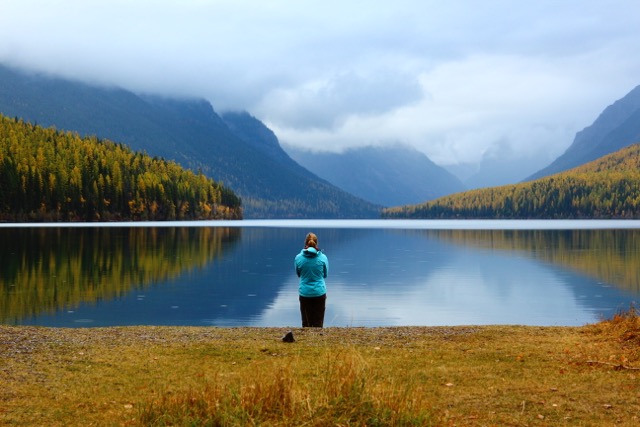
(387, 176)
(187, 131)
(48, 175)
(498, 168)
(608, 187)
(256, 134)
(617, 127)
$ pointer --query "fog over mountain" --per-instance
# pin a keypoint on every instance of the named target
(616, 127)
(188, 131)
(457, 80)
(387, 176)
(498, 168)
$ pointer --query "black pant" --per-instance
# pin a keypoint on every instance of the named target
(312, 311)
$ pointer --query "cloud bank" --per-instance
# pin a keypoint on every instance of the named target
(457, 80)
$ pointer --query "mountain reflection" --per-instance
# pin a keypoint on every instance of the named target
(48, 269)
(609, 256)
(244, 276)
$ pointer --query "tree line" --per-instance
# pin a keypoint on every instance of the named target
(50, 175)
(605, 188)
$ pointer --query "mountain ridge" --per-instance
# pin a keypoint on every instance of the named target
(608, 187)
(187, 131)
(387, 176)
(617, 126)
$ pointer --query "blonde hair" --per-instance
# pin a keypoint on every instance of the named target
(311, 241)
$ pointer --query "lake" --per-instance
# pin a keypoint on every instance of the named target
(382, 272)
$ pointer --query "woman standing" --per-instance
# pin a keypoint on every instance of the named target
(312, 267)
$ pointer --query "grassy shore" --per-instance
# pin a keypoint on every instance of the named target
(474, 375)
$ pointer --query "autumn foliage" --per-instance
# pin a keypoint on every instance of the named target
(49, 175)
(605, 188)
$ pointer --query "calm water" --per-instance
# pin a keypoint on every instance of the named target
(382, 273)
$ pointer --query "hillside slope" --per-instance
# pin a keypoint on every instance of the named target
(186, 131)
(48, 175)
(617, 127)
(605, 188)
(387, 176)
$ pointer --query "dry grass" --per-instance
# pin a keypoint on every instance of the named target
(489, 375)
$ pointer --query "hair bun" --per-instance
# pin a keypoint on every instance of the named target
(311, 240)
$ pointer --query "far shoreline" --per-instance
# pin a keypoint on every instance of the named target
(404, 224)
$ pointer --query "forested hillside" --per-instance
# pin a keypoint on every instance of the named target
(187, 131)
(48, 175)
(605, 188)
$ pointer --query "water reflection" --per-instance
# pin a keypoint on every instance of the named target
(446, 277)
(611, 256)
(53, 270)
(244, 276)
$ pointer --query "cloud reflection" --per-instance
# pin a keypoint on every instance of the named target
(448, 286)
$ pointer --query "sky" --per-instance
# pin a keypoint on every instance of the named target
(460, 80)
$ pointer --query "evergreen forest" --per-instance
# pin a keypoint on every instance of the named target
(605, 188)
(51, 175)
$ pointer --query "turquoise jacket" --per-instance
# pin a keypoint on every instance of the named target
(312, 266)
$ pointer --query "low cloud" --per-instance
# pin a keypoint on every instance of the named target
(328, 104)
(467, 107)
(451, 79)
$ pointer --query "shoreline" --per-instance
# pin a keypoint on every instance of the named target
(406, 375)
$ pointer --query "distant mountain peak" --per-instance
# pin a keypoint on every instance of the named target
(616, 127)
(385, 175)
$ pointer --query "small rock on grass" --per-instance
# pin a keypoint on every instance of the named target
(288, 337)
